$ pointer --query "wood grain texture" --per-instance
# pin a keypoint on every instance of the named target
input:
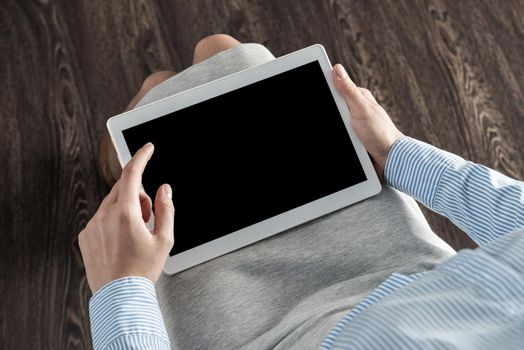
(448, 72)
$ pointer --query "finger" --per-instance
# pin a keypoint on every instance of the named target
(146, 205)
(164, 213)
(131, 179)
(347, 88)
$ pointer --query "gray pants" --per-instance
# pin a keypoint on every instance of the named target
(289, 290)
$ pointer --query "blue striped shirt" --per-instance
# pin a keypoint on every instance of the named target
(125, 315)
(474, 300)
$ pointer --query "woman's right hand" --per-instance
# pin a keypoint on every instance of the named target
(372, 124)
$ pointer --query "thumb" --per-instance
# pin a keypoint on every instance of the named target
(347, 88)
(164, 213)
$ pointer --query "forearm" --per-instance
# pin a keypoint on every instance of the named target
(482, 202)
(125, 315)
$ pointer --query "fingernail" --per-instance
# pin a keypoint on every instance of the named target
(168, 191)
(341, 72)
(149, 144)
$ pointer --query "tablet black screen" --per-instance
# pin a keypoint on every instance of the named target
(247, 155)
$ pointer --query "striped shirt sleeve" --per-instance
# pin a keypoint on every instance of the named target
(482, 202)
(125, 314)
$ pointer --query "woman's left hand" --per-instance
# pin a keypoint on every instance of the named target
(116, 242)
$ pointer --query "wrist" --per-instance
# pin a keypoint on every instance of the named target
(381, 155)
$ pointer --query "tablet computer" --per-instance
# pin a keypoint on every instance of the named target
(249, 155)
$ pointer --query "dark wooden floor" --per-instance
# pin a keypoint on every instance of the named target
(448, 72)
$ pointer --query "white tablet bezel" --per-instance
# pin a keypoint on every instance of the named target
(276, 224)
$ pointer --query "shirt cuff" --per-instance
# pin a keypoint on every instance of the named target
(126, 310)
(416, 168)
